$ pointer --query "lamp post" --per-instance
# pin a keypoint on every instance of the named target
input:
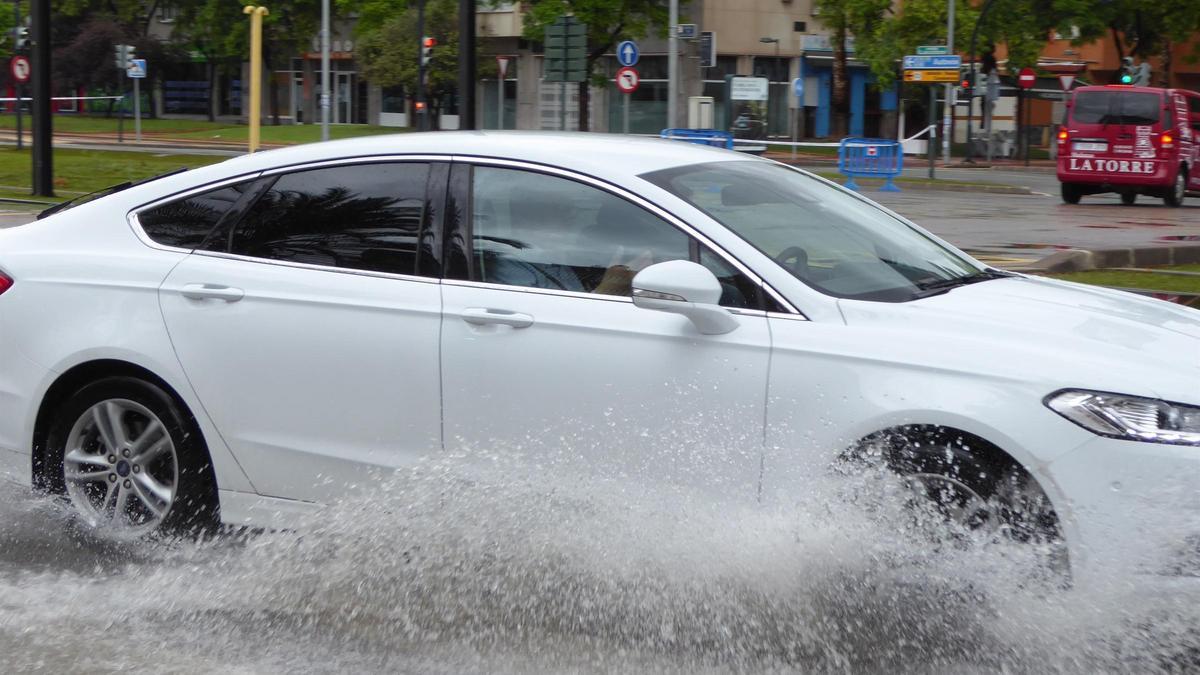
(971, 75)
(767, 41)
(255, 116)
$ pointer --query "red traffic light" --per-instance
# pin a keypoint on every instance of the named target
(428, 42)
(420, 105)
(966, 84)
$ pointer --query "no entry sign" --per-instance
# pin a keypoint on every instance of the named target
(1026, 78)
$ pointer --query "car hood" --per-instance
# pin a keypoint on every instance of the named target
(1048, 329)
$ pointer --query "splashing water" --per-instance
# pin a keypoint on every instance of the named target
(443, 569)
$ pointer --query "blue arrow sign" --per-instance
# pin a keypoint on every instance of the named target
(136, 69)
(798, 88)
(917, 62)
(627, 53)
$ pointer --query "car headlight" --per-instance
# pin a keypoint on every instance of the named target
(1130, 417)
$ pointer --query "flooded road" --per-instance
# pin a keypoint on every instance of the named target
(434, 573)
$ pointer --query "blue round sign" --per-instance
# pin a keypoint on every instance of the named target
(798, 87)
(627, 53)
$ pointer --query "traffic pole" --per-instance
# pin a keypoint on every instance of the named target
(466, 65)
(43, 150)
(137, 110)
(16, 84)
(255, 117)
(325, 102)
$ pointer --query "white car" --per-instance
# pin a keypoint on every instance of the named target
(245, 340)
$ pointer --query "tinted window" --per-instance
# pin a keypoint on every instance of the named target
(186, 222)
(363, 216)
(1117, 107)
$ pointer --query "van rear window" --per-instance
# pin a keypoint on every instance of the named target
(1117, 107)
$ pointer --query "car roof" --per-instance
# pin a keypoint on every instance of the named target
(612, 157)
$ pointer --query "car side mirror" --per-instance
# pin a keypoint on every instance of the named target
(684, 287)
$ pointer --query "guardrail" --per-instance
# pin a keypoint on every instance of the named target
(870, 158)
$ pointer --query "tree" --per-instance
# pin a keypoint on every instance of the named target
(1139, 28)
(217, 32)
(608, 22)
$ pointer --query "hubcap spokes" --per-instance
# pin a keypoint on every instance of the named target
(120, 467)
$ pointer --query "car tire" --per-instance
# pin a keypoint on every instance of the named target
(1071, 194)
(968, 488)
(1129, 198)
(1178, 189)
(131, 461)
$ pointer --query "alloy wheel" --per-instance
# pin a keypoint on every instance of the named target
(120, 467)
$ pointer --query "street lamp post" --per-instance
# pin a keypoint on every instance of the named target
(971, 75)
(767, 41)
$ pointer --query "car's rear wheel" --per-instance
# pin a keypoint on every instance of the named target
(1129, 198)
(1178, 189)
(131, 460)
(1071, 193)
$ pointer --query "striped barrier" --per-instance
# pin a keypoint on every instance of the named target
(870, 158)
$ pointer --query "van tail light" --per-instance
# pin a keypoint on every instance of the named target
(1062, 136)
(1167, 139)
(6, 282)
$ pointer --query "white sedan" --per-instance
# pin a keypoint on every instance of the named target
(244, 341)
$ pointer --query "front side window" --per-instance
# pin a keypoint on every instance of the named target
(833, 241)
(361, 216)
(185, 223)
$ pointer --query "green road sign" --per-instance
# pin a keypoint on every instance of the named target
(566, 51)
(932, 50)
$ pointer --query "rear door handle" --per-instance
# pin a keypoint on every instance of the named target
(213, 291)
(481, 317)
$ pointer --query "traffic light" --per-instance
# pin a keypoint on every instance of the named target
(427, 45)
(1127, 70)
(124, 55)
(20, 38)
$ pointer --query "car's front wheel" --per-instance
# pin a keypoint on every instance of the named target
(131, 460)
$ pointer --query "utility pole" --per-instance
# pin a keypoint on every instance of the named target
(420, 106)
(467, 66)
(325, 102)
(255, 112)
(948, 115)
(673, 65)
(43, 146)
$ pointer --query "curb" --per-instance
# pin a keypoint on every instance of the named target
(1080, 260)
(904, 184)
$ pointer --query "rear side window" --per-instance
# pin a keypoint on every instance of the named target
(362, 216)
(1117, 107)
(186, 222)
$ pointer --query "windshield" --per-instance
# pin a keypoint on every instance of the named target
(838, 244)
(1117, 107)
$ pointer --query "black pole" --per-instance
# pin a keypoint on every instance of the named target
(466, 64)
(971, 75)
(1025, 127)
(422, 109)
(16, 51)
(43, 158)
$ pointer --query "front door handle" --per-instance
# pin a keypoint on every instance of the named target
(213, 291)
(480, 317)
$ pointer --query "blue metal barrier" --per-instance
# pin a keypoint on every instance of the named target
(870, 158)
(713, 137)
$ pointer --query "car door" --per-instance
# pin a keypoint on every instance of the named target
(545, 357)
(307, 332)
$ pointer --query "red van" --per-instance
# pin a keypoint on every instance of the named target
(1130, 140)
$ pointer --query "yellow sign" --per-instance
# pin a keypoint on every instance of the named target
(931, 76)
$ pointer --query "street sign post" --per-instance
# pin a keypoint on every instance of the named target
(934, 76)
(798, 106)
(566, 57)
(627, 53)
(922, 62)
(1025, 79)
(686, 31)
(136, 71)
(627, 83)
(932, 50)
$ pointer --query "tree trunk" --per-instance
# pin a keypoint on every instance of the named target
(272, 83)
(841, 84)
(1166, 64)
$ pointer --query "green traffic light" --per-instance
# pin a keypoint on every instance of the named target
(1126, 79)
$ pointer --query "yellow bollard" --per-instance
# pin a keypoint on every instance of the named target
(254, 113)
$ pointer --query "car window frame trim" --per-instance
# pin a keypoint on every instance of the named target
(622, 193)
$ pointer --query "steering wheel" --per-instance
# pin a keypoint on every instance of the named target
(795, 259)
